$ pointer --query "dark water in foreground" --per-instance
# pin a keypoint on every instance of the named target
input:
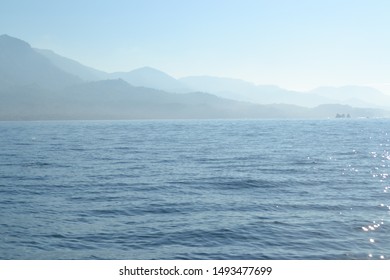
(195, 190)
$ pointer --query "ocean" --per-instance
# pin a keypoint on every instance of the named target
(195, 189)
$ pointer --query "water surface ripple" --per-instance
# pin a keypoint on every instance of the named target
(256, 189)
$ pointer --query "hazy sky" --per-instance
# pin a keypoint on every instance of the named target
(297, 44)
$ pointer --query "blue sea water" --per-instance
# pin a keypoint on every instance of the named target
(207, 189)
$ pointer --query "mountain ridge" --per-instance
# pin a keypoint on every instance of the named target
(72, 66)
(21, 65)
(152, 78)
(39, 84)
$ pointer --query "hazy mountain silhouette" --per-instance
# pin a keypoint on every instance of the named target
(41, 85)
(151, 78)
(226, 87)
(141, 77)
(358, 96)
(246, 91)
(116, 99)
(73, 67)
(20, 65)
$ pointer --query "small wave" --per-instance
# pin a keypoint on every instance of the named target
(247, 184)
(56, 235)
(37, 164)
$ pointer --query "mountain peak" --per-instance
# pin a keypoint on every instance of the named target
(152, 78)
(6, 37)
(147, 68)
(23, 66)
(7, 42)
(150, 71)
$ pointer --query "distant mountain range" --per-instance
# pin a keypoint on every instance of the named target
(40, 85)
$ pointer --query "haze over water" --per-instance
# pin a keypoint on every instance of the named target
(259, 189)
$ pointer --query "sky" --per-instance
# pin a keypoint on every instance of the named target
(295, 44)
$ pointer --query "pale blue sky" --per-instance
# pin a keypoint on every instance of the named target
(297, 44)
